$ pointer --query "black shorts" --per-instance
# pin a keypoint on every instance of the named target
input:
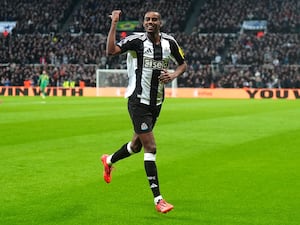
(143, 116)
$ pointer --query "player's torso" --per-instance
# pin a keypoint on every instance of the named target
(146, 60)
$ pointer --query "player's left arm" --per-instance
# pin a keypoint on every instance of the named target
(178, 55)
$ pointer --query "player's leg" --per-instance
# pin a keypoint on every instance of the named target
(127, 149)
(134, 146)
(149, 145)
(42, 90)
(150, 149)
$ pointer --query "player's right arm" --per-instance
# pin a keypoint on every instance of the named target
(111, 47)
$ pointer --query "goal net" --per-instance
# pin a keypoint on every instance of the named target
(117, 80)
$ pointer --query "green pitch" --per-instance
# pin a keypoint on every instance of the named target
(227, 162)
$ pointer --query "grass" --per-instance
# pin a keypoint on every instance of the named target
(227, 162)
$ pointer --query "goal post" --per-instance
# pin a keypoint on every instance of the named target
(118, 79)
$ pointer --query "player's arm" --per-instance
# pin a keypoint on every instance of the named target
(111, 47)
(178, 54)
(167, 76)
(180, 69)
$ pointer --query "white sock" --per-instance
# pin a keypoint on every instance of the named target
(149, 157)
(129, 148)
(157, 199)
(108, 160)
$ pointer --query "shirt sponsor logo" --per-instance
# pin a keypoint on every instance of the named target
(155, 64)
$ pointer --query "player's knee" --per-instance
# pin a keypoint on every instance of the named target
(136, 148)
(150, 149)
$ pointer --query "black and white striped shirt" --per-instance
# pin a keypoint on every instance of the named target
(145, 60)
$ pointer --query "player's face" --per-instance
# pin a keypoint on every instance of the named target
(152, 22)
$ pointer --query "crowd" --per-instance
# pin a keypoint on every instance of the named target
(91, 16)
(16, 74)
(220, 16)
(246, 76)
(218, 54)
(53, 49)
(36, 16)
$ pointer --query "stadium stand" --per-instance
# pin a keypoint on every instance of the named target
(68, 38)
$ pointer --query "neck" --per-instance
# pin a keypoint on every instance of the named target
(154, 37)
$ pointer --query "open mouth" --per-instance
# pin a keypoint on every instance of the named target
(150, 27)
